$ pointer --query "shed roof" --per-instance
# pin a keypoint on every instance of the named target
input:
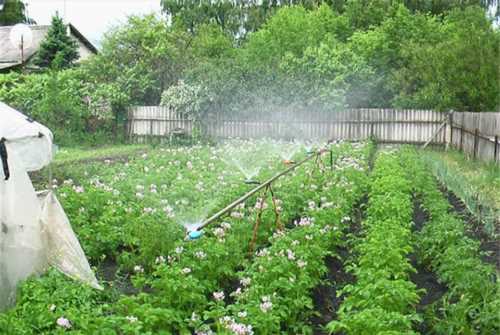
(10, 55)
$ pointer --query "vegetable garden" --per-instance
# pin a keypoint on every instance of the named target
(404, 261)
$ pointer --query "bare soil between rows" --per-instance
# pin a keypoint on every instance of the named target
(325, 296)
(424, 278)
(475, 229)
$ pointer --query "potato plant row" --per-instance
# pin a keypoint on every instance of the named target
(118, 210)
(382, 299)
(174, 293)
(185, 283)
(472, 303)
(273, 294)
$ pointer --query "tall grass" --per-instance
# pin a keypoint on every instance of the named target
(476, 183)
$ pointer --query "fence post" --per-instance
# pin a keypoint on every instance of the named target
(495, 158)
(476, 137)
(450, 120)
(151, 131)
(331, 159)
(461, 138)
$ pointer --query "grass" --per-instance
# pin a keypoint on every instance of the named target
(68, 160)
(67, 155)
(482, 176)
(477, 183)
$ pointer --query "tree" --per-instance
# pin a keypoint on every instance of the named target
(13, 12)
(58, 50)
(437, 7)
(239, 17)
(458, 70)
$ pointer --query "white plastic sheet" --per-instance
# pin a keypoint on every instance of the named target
(21, 246)
(34, 233)
(30, 140)
(62, 247)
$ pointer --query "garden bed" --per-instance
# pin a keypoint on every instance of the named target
(336, 245)
(475, 229)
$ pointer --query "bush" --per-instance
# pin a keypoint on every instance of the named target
(60, 101)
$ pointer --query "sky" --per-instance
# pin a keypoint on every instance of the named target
(91, 17)
(94, 17)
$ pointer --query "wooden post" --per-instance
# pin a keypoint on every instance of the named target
(450, 118)
(331, 159)
(461, 138)
(495, 154)
(476, 137)
(151, 131)
(443, 125)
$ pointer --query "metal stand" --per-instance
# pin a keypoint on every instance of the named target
(277, 220)
(262, 186)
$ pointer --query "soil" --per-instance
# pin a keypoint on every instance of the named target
(475, 229)
(420, 216)
(424, 278)
(326, 301)
(108, 271)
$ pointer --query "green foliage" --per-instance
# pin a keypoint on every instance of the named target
(174, 280)
(42, 301)
(185, 99)
(383, 299)
(458, 69)
(211, 43)
(269, 56)
(476, 183)
(314, 57)
(274, 295)
(246, 16)
(236, 17)
(56, 99)
(58, 50)
(330, 74)
(140, 59)
(442, 6)
(13, 12)
(471, 303)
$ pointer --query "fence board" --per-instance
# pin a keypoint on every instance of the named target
(483, 145)
(385, 125)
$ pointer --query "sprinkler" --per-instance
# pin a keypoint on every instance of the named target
(263, 185)
(251, 182)
(195, 234)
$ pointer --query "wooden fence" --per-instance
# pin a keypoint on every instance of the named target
(474, 133)
(386, 125)
(146, 122)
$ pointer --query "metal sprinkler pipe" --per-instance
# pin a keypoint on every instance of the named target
(253, 191)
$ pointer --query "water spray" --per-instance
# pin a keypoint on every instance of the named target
(262, 186)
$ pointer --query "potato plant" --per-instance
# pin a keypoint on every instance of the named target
(174, 287)
(472, 302)
(273, 295)
(119, 209)
(382, 299)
